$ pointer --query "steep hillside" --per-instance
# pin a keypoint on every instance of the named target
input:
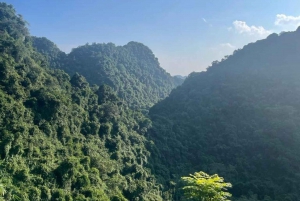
(131, 70)
(239, 119)
(54, 56)
(61, 139)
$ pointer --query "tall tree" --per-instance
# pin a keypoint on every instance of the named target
(203, 187)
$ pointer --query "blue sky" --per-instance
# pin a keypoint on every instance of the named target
(185, 35)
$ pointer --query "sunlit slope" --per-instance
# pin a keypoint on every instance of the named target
(131, 70)
(240, 119)
(61, 139)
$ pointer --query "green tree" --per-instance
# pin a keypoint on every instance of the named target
(60, 139)
(203, 187)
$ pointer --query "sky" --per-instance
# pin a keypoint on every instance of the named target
(185, 35)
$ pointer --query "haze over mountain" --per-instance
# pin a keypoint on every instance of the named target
(240, 118)
(180, 76)
(185, 36)
(63, 137)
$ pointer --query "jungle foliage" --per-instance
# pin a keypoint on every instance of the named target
(65, 138)
(203, 187)
(131, 70)
(239, 119)
(62, 139)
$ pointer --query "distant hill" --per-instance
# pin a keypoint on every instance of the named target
(180, 76)
(178, 79)
(131, 70)
(239, 119)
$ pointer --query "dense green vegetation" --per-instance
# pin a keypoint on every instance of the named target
(64, 136)
(60, 138)
(53, 55)
(203, 187)
(239, 119)
(131, 70)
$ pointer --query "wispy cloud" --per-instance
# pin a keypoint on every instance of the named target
(206, 22)
(242, 28)
(287, 22)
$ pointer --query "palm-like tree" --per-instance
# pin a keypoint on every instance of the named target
(203, 187)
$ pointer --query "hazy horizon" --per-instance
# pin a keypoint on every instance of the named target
(185, 36)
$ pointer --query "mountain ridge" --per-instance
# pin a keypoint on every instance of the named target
(239, 119)
(62, 139)
(131, 70)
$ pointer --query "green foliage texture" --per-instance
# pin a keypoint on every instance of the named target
(239, 119)
(62, 139)
(131, 70)
(203, 187)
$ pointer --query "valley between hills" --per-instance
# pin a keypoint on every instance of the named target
(107, 122)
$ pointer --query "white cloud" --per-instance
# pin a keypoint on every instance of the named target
(242, 28)
(204, 20)
(288, 22)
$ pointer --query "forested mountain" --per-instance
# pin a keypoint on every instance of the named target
(131, 70)
(64, 138)
(239, 119)
(60, 138)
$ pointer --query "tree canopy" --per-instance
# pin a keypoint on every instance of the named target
(203, 187)
(131, 70)
(62, 139)
(73, 126)
(239, 119)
